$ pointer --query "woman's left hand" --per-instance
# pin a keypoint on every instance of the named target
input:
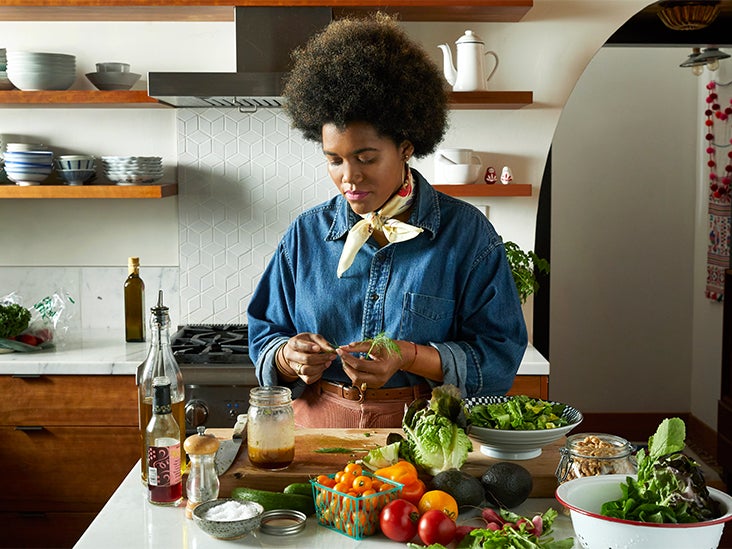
(376, 369)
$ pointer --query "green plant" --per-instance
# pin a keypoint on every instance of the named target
(524, 266)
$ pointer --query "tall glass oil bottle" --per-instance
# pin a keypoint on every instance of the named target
(134, 302)
(159, 362)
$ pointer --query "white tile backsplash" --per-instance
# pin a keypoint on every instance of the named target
(242, 178)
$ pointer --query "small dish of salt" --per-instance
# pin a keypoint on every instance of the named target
(228, 518)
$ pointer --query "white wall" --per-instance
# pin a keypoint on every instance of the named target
(631, 328)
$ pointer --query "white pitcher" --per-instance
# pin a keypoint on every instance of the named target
(470, 74)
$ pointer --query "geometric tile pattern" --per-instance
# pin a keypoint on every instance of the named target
(242, 178)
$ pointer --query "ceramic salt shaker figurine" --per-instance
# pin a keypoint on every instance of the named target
(506, 175)
(491, 176)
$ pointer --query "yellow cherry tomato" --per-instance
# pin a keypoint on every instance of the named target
(440, 500)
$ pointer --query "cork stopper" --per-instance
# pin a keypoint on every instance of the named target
(200, 444)
(133, 264)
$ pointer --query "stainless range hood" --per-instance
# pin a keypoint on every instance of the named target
(265, 36)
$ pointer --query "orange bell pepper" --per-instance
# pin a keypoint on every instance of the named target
(404, 473)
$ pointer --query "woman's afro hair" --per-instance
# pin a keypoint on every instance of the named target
(368, 70)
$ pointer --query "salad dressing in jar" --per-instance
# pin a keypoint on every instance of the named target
(591, 454)
(271, 428)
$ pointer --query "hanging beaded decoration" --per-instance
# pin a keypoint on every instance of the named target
(718, 252)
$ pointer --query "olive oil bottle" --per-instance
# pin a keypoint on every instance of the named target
(134, 302)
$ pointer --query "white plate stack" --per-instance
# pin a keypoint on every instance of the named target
(133, 170)
(31, 71)
(5, 84)
(28, 163)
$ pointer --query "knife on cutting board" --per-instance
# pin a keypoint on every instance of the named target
(228, 450)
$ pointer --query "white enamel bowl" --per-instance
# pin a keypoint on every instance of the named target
(518, 445)
(584, 498)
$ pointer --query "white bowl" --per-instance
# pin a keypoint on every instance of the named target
(514, 444)
(74, 162)
(21, 147)
(584, 498)
(76, 177)
(113, 80)
(459, 174)
(26, 179)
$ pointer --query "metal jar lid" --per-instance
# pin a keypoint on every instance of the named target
(282, 522)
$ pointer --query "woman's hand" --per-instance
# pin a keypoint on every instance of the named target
(376, 369)
(307, 356)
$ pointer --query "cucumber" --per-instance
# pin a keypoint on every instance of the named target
(302, 488)
(276, 500)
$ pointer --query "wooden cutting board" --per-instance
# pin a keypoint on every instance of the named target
(308, 463)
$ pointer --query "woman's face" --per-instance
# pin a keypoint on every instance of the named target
(366, 167)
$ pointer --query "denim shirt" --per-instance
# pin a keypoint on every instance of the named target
(451, 287)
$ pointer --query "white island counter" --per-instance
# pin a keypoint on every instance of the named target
(128, 520)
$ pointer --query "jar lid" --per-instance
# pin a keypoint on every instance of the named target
(282, 522)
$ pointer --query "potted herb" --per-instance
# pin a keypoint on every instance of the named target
(524, 266)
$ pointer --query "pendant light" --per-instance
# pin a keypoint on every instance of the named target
(684, 15)
(708, 57)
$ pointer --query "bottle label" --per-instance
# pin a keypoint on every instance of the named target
(164, 465)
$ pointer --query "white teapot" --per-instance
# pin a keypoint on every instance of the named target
(470, 74)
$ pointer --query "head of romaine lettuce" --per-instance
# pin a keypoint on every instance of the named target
(435, 431)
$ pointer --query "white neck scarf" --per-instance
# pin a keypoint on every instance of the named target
(383, 220)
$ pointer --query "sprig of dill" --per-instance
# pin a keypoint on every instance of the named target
(383, 341)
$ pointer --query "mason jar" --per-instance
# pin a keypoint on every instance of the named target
(591, 454)
(270, 428)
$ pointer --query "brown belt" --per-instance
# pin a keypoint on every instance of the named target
(396, 393)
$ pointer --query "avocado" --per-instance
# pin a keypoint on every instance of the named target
(466, 489)
(507, 484)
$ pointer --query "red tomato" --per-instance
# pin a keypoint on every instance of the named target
(398, 520)
(436, 527)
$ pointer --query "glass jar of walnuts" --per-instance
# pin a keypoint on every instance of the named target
(590, 454)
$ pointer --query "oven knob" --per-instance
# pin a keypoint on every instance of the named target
(196, 412)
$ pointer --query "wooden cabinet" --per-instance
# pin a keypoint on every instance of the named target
(68, 442)
(535, 386)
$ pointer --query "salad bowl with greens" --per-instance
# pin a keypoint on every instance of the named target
(666, 505)
(518, 427)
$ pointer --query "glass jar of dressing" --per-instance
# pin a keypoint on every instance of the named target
(590, 454)
(270, 428)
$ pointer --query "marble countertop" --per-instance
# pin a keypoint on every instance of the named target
(105, 352)
(128, 520)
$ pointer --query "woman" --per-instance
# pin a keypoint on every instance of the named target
(389, 260)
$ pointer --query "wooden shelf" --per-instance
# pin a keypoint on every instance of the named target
(491, 99)
(89, 191)
(79, 98)
(494, 11)
(483, 189)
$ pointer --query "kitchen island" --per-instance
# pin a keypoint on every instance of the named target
(128, 520)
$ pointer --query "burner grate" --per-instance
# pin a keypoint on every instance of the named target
(211, 344)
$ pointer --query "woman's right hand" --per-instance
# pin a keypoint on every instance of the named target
(308, 356)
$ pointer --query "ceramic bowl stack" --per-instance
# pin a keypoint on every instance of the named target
(113, 76)
(28, 163)
(31, 71)
(133, 170)
(75, 169)
(5, 84)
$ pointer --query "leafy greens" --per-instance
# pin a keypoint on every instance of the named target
(435, 438)
(520, 412)
(669, 487)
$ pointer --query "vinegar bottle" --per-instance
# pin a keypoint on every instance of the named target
(162, 436)
(134, 302)
(159, 362)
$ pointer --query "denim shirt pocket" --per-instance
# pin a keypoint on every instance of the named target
(426, 318)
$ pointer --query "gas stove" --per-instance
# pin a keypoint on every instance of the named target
(217, 372)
